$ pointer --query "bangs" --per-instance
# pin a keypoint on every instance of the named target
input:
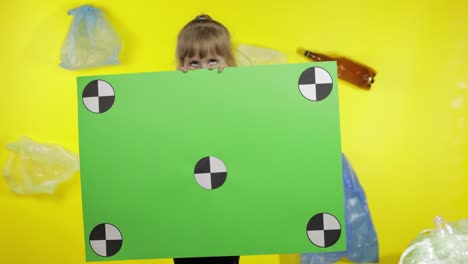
(202, 42)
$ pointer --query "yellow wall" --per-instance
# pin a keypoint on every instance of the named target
(406, 137)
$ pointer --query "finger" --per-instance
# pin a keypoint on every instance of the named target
(181, 68)
(221, 68)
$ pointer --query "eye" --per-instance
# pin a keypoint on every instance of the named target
(213, 61)
(194, 63)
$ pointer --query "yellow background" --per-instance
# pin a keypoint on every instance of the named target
(406, 138)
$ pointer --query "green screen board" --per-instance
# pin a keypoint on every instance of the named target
(243, 162)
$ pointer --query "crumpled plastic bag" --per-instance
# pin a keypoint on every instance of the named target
(35, 168)
(248, 55)
(91, 40)
(361, 238)
(446, 244)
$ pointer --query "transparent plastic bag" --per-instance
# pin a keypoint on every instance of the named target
(91, 41)
(248, 55)
(34, 168)
(361, 238)
(446, 244)
(321, 258)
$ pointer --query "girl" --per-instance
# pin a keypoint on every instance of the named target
(204, 44)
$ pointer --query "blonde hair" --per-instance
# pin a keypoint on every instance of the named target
(201, 36)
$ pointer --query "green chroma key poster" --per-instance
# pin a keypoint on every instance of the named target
(243, 162)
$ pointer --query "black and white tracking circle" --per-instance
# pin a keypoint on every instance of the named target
(323, 230)
(105, 240)
(210, 173)
(315, 84)
(98, 96)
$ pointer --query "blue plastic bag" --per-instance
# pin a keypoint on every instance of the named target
(361, 238)
(91, 40)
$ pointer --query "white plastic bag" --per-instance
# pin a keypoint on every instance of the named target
(446, 244)
(34, 168)
(248, 55)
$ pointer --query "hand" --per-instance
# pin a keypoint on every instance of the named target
(220, 67)
(182, 68)
(186, 69)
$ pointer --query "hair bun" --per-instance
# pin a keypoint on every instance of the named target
(203, 18)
